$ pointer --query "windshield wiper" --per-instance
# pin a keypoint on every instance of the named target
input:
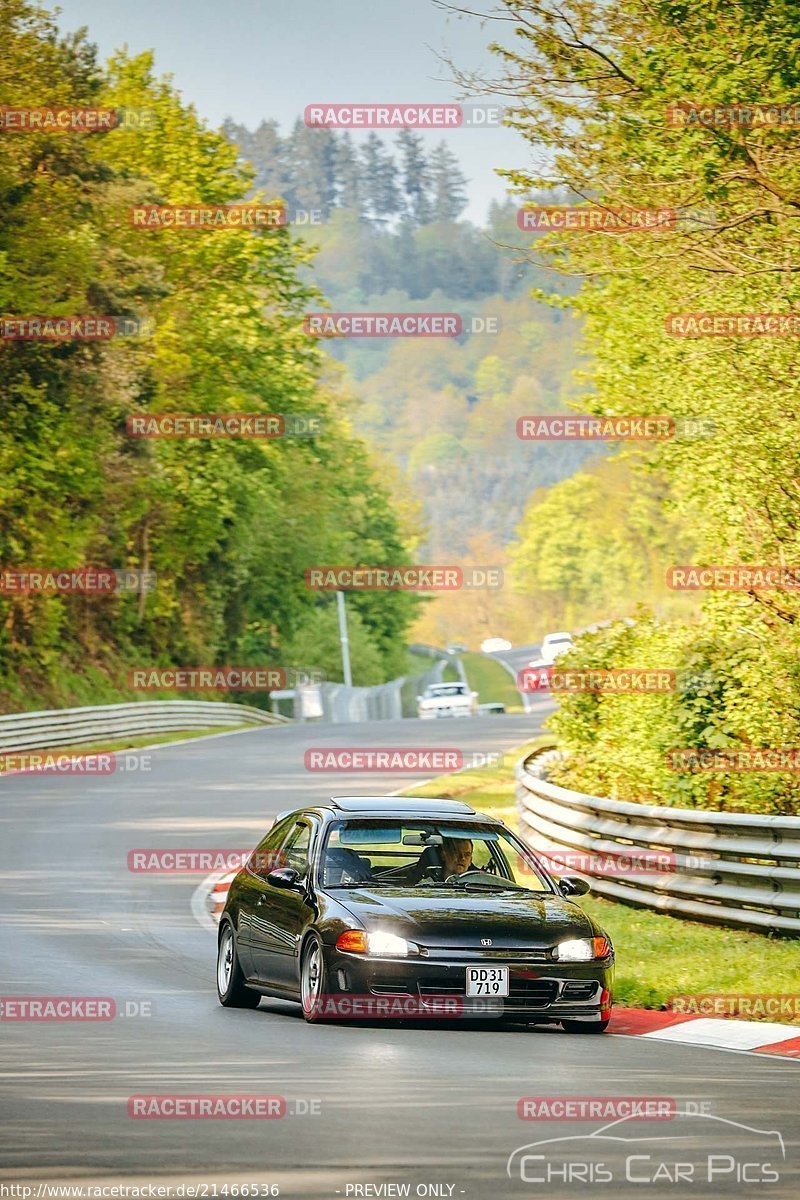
(364, 883)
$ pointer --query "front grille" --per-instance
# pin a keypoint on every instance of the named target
(474, 954)
(536, 992)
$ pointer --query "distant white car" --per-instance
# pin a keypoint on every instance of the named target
(556, 644)
(447, 700)
(495, 646)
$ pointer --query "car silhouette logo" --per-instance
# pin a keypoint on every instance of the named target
(486, 941)
(689, 1133)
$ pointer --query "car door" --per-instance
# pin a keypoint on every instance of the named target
(281, 914)
(251, 887)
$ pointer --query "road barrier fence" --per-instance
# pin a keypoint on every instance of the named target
(103, 723)
(735, 869)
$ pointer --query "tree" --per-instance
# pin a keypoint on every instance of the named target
(267, 152)
(416, 177)
(448, 184)
(229, 526)
(312, 160)
(350, 184)
(604, 95)
(380, 180)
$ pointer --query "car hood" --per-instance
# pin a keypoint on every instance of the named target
(446, 917)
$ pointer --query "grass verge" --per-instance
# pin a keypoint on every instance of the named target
(493, 683)
(658, 956)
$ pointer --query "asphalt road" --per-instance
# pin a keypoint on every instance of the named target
(368, 1105)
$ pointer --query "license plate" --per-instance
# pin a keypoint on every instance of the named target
(487, 981)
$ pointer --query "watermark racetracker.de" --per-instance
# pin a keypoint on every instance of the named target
(564, 218)
(396, 324)
(55, 762)
(223, 425)
(400, 759)
(750, 1006)
(72, 1008)
(403, 115)
(60, 328)
(97, 581)
(223, 678)
(20, 119)
(574, 427)
(402, 578)
(236, 1107)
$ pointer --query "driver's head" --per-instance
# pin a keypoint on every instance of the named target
(456, 855)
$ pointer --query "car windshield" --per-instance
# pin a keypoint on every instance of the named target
(428, 854)
(451, 689)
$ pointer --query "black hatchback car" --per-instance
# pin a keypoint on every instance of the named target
(395, 907)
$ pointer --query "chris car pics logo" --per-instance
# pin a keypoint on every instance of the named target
(695, 1151)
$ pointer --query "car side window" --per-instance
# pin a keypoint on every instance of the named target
(294, 851)
(266, 856)
(482, 856)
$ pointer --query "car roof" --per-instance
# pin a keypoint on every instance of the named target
(405, 807)
(399, 812)
(400, 804)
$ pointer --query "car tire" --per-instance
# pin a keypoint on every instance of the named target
(585, 1026)
(231, 987)
(312, 979)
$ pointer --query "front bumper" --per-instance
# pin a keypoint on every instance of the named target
(541, 991)
(431, 714)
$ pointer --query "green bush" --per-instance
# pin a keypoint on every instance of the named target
(732, 691)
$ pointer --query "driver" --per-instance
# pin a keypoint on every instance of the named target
(456, 856)
(452, 857)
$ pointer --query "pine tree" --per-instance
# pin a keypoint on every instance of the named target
(311, 154)
(448, 184)
(380, 181)
(349, 178)
(416, 177)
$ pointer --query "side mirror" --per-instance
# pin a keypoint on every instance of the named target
(571, 885)
(284, 877)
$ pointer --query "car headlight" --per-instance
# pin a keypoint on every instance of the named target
(380, 944)
(583, 949)
(388, 944)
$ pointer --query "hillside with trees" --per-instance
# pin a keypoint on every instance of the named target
(391, 238)
(227, 525)
(594, 91)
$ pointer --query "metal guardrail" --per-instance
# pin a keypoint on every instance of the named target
(111, 722)
(343, 705)
(736, 869)
(382, 702)
(335, 703)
